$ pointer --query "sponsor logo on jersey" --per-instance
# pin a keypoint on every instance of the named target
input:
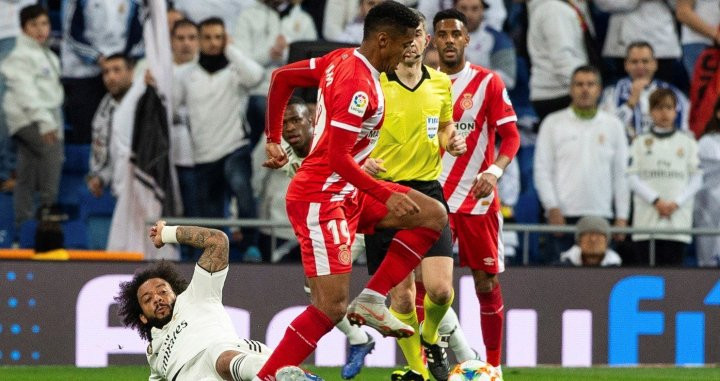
(466, 103)
(329, 74)
(465, 128)
(359, 104)
(489, 261)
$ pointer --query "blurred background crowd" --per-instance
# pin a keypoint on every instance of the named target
(638, 147)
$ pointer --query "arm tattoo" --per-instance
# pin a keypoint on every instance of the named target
(214, 242)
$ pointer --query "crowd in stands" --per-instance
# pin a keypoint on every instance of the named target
(617, 101)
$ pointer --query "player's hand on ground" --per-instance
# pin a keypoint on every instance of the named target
(276, 156)
(456, 145)
(373, 166)
(401, 205)
(483, 185)
(156, 234)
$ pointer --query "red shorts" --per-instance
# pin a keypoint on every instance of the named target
(326, 230)
(479, 241)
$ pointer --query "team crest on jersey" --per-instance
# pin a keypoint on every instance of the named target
(359, 103)
(601, 139)
(344, 255)
(466, 103)
(432, 123)
(149, 349)
(648, 145)
(680, 152)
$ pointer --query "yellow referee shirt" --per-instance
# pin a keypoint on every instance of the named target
(408, 141)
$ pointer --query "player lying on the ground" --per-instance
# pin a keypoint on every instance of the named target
(191, 336)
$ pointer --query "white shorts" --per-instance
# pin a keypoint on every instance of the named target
(202, 366)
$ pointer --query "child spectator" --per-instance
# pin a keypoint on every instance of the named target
(32, 105)
(664, 175)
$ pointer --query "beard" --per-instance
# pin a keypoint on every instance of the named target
(161, 322)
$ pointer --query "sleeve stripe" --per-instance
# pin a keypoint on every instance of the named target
(312, 64)
(511, 118)
(345, 126)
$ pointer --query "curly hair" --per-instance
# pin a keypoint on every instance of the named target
(130, 309)
(390, 14)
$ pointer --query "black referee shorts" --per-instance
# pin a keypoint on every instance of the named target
(376, 245)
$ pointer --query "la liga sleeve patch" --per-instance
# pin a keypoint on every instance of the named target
(359, 103)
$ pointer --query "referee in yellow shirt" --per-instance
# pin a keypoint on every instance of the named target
(418, 125)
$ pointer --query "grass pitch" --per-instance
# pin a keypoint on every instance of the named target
(122, 373)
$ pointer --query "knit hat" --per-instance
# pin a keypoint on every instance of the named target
(595, 224)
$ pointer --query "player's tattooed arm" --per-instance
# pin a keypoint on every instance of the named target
(214, 243)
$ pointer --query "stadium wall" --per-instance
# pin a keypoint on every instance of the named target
(63, 313)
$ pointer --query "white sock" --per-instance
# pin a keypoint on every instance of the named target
(245, 366)
(450, 325)
(354, 334)
(373, 295)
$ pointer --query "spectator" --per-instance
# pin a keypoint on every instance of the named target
(352, 33)
(9, 30)
(707, 200)
(664, 175)
(643, 20)
(117, 75)
(591, 245)
(580, 161)
(228, 10)
(629, 98)
(488, 47)
(700, 29)
(184, 41)
(214, 89)
(495, 11)
(339, 14)
(556, 48)
(32, 105)
(91, 32)
(264, 32)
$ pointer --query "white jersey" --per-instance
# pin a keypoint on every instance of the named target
(199, 321)
(665, 163)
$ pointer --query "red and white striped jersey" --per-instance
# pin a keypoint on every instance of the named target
(481, 106)
(349, 99)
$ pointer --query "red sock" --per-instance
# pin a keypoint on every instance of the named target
(491, 322)
(420, 300)
(300, 340)
(405, 253)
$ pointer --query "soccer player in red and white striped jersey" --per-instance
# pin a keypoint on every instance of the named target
(481, 108)
(331, 197)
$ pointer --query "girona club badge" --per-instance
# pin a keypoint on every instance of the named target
(466, 103)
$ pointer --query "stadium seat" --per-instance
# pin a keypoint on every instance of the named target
(7, 220)
(75, 168)
(74, 231)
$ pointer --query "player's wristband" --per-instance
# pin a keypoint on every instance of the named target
(494, 170)
(169, 234)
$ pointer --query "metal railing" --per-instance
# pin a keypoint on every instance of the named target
(525, 229)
